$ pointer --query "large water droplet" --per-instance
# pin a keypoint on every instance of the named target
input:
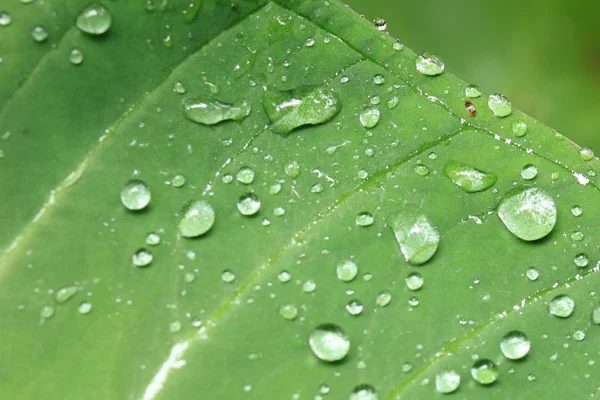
(212, 112)
(529, 214)
(484, 372)
(135, 195)
(468, 178)
(515, 345)
(416, 234)
(363, 392)
(329, 343)
(429, 64)
(288, 311)
(142, 258)
(293, 109)
(248, 204)
(562, 306)
(65, 294)
(500, 105)
(197, 217)
(94, 19)
(447, 381)
(346, 270)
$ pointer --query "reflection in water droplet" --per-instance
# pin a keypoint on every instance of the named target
(429, 64)
(84, 308)
(65, 294)
(363, 392)
(484, 372)
(364, 219)
(500, 105)
(94, 19)
(519, 128)
(142, 258)
(245, 175)
(416, 234)
(293, 109)
(210, 112)
(346, 270)
(197, 217)
(135, 195)
(76, 57)
(586, 154)
(380, 24)
(292, 169)
(39, 34)
(383, 299)
(414, 281)
(515, 345)
(472, 91)
(248, 204)
(329, 343)
(562, 306)
(581, 260)
(468, 178)
(227, 276)
(533, 274)
(354, 307)
(47, 312)
(369, 117)
(288, 311)
(529, 214)
(447, 381)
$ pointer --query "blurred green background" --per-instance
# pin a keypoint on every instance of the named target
(543, 54)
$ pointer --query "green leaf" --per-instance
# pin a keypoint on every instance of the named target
(251, 239)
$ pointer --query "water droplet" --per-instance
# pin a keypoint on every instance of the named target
(245, 175)
(447, 381)
(142, 258)
(316, 188)
(586, 154)
(414, 281)
(189, 277)
(596, 315)
(421, 170)
(362, 174)
(515, 345)
(346, 270)
(500, 105)
(581, 260)
(94, 19)
(532, 274)
(378, 80)
(275, 189)
(84, 308)
(248, 204)
(329, 343)
(324, 389)
(429, 64)
(576, 211)
(178, 181)
(579, 335)
(65, 294)
(292, 169)
(529, 214)
(288, 311)
(364, 219)
(197, 217)
(531, 377)
(309, 42)
(380, 24)
(484, 372)
(5, 19)
(562, 306)
(135, 195)
(413, 301)
(468, 178)
(39, 34)
(519, 128)
(416, 234)
(284, 276)
(293, 109)
(397, 45)
(472, 91)
(76, 57)
(529, 171)
(309, 286)
(369, 117)
(212, 112)
(363, 392)
(175, 326)
(578, 236)
(354, 307)
(47, 312)
(383, 299)
(227, 276)
(407, 367)
(179, 88)
(393, 102)
(279, 211)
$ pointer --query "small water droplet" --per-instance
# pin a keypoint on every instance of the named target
(178, 181)
(292, 169)
(393, 102)
(581, 260)
(212, 112)
(579, 335)
(596, 315)
(562, 306)
(309, 42)
(378, 80)
(407, 367)
(414, 281)
(284, 276)
(429, 64)
(275, 189)
(309, 286)
(529, 214)
(500, 105)
(576, 211)
(175, 326)
(397, 45)
(383, 299)
(142, 258)
(197, 217)
(5, 19)
(354, 307)
(447, 381)
(84, 308)
(65, 294)
(248, 204)
(515, 345)
(94, 19)
(179, 88)
(519, 128)
(531, 377)
(416, 234)
(413, 302)
(364, 219)
(529, 172)
(227, 276)
(288, 311)
(245, 175)
(532, 274)
(484, 372)
(135, 195)
(39, 34)
(472, 91)
(421, 170)
(586, 154)
(369, 117)
(380, 24)
(316, 188)
(329, 343)
(346, 270)
(468, 178)
(189, 277)
(278, 211)
(363, 392)
(578, 236)
(76, 57)
(47, 312)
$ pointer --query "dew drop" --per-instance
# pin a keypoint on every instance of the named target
(363, 392)
(212, 112)
(275, 189)
(596, 315)
(135, 195)
(316, 188)
(393, 102)
(84, 308)
(578, 236)
(414, 281)
(586, 154)
(529, 214)
(5, 19)
(309, 42)
(178, 181)
(398, 46)
(346, 270)
(380, 24)
(413, 302)
(407, 367)
(468, 178)
(532, 274)
(329, 343)
(581, 260)
(227, 276)
(378, 80)
(369, 117)
(484, 372)
(245, 175)
(279, 211)
(500, 105)
(47, 312)
(65, 294)
(472, 92)
(579, 335)
(519, 128)
(447, 381)
(288, 311)
(142, 258)
(248, 204)
(94, 19)
(39, 34)
(76, 57)
(175, 326)
(383, 299)
(429, 64)
(354, 307)
(529, 172)
(421, 170)
(364, 219)
(189, 277)
(284, 276)
(197, 217)
(179, 88)
(416, 234)
(309, 286)
(562, 306)
(515, 345)
(576, 211)
(292, 169)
